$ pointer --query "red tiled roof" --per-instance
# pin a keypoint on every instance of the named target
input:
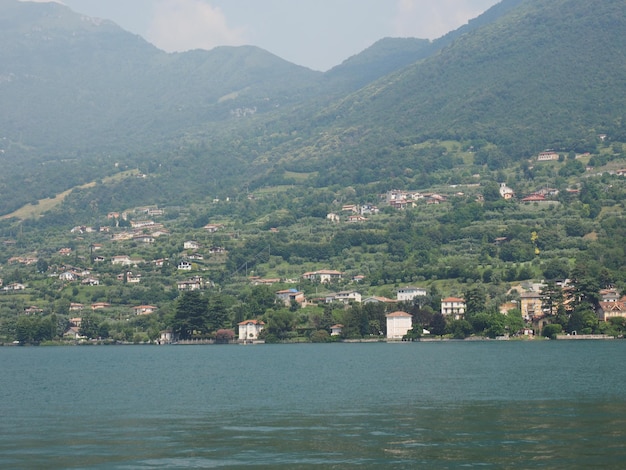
(398, 314)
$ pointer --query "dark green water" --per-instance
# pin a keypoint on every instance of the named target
(417, 405)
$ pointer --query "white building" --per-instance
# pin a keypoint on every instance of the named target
(323, 276)
(506, 192)
(335, 330)
(398, 324)
(408, 293)
(453, 306)
(345, 297)
(249, 330)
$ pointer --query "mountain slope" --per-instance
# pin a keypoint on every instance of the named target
(547, 74)
(74, 82)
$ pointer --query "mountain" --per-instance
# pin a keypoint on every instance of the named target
(382, 58)
(547, 74)
(72, 82)
(84, 99)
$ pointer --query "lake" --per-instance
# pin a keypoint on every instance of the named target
(492, 404)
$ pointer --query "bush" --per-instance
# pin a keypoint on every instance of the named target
(320, 336)
(550, 331)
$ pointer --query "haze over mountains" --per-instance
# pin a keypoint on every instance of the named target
(526, 75)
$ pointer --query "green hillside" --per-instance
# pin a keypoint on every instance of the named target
(548, 74)
(234, 173)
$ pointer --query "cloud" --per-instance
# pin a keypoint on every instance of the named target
(182, 25)
(431, 20)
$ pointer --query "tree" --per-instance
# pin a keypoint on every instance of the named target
(259, 300)
(582, 320)
(42, 265)
(551, 297)
(550, 331)
(279, 323)
(414, 333)
(514, 321)
(320, 336)
(217, 316)
(89, 327)
(438, 325)
(460, 329)
(475, 300)
(585, 279)
(191, 315)
(223, 336)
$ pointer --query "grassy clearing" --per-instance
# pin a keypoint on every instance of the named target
(43, 205)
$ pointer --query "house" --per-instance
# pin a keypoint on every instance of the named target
(407, 294)
(144, 238)
(335, 330)
(121, 259)
(290, 295)
(212, 228)
(453, 306)
(144, 309)
(67, 276)
(76, 321)
(609, 295)
(184, 266)
(32, 309)
(547, 156)
(249, 330)
(357, 218)
(217, 250)
(159, 262)
(333, 217)
(191, 245)
(401, 204)
(73, 332)
(398, 324)
(166, 337)
(76, 306)
(345, 297)
(368, 209)
(323, 276)
(65, 251)
(90, 281)
(611, 309)
(141, 223)
(100, 305)
(14, 286)
(191, 284)
(160, 232)
(99, 259)
(133, 278)
(534, 198)
(506, 192)
(436, 199)
(350, 208)
(530, 305)
(119, 237)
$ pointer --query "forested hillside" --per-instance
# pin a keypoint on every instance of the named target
(488, 165)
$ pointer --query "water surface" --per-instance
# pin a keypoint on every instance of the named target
(410, 405)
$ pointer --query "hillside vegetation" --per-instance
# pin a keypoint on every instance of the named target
(237, 172)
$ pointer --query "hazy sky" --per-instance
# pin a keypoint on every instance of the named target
(315, 33)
